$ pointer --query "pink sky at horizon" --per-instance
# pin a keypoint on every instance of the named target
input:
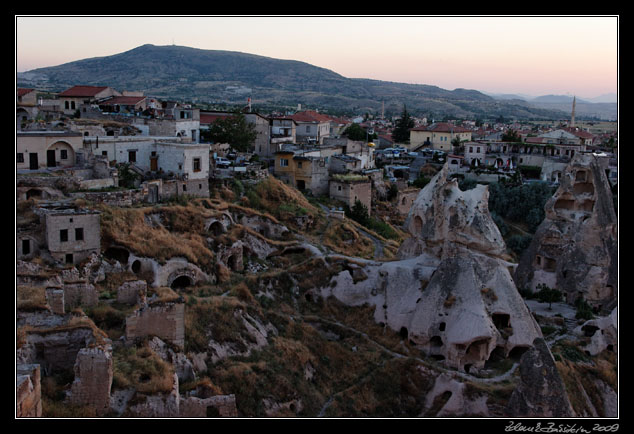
(522, 55)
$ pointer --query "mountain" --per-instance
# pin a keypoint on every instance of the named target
(583, 107)
(212, 76)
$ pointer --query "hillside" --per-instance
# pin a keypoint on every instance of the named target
(209, 76)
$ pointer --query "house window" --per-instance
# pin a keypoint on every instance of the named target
(196, 164)
(104, 153)
(308, 129)
(63, 235)
(63, 154)
(470, 148)
(79, 234)
(69, 258)
(20, 157)
(299, 164)
(72, 105)
(338, 188)
(132, 156)
(66, 105)
(283, 162)
(478, 149)
(184, 187)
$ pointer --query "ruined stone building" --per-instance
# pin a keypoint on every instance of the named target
(71, 235)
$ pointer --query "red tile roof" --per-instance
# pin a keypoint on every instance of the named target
(210, 118)
(535, 140)
(309, 116)
(23, 91)
(579, 133)
(83, 91)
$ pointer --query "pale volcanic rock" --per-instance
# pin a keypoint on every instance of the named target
(575, 248)
(442, 214)
(452, 293)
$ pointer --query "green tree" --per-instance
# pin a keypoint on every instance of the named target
(356, 132)
(358, 213)
(234, 130)
(511, 136)
(400, 133)
(548, 295)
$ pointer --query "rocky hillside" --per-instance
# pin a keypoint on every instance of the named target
(253, 303)
(197, 75)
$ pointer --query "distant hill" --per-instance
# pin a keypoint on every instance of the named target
(212, 76)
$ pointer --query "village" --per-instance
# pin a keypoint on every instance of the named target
(90, 158)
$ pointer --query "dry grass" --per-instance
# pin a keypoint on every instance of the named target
(344, 239)
(127, 227)
(142, 369)
(164, 295)
(30, 298)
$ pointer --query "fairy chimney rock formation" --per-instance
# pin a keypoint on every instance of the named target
(442, 216)
(451, 293)
(575, 247)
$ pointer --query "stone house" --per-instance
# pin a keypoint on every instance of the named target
(47, 149)
(26, 105)
(360, 150)
(568, 136)
(74, 98)
(304, 169)
(474, 151)
(71, 235)
(348, 189)
(312, 127)
(438, 136)
(345, 163)
(181, 122)
(283, 130)
(188, 162)
(124, 104)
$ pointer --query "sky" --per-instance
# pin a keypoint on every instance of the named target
(531, 55)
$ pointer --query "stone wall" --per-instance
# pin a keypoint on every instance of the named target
(55, 300)
(80, 294)
(221, 405)
(93, 379)
(113, 198)
(165, 321)
(132, 292)
(28, 391)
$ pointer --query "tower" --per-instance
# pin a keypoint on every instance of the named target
(572, 118)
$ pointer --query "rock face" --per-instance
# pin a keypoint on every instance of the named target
(442, 216)
(452, 293)
(541, 392)
(575, 247)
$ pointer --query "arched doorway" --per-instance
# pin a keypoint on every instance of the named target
(60, 154)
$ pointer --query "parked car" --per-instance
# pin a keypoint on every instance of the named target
(222, 162)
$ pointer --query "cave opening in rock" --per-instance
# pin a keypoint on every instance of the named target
(181, 282)
(436, 341)
(517, 352)
(501, 320)
(136, 266)
(216, 228)
(118, 254)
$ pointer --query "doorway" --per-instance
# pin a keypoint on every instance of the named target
(50, 158)
(33, 163)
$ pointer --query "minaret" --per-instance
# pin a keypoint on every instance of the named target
(572, 118)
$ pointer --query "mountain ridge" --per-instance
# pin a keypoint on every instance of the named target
(212, 76)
